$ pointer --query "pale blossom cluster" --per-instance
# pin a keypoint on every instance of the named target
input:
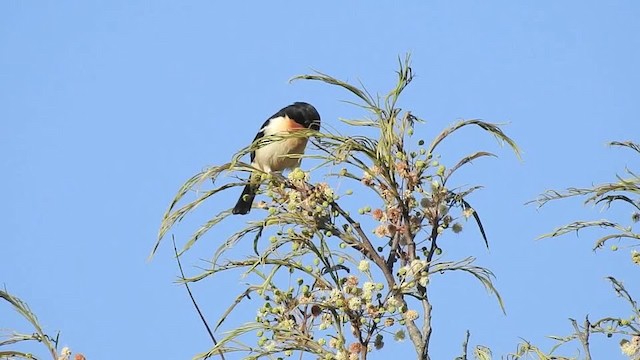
(631, 348)
(412, 274)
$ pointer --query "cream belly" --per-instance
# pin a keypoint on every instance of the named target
(270, 157)
(277, 156)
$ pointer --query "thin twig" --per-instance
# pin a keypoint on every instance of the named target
(193, 300)
(465, 346)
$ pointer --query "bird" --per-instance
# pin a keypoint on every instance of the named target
(281, 154)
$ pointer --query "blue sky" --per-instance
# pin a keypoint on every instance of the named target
(107, 107)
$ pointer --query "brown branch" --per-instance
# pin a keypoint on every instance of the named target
(368, 249)
(426, 304)
(414, 332)
(583, 336)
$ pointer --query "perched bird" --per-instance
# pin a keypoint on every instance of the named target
(277, 155)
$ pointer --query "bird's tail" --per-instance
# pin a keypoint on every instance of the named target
(243, 206)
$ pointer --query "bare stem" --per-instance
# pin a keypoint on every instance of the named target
(193, 300)
(465, 346)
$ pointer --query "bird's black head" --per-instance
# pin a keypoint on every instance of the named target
(304, 114)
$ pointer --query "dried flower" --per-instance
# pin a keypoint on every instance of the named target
(402, 168)
(381, 231)
(377, 214)
(394, 214)
(363, 265)
(412, 180)
(352, 280)
(369, 286)
(631, 348)
(65, 353)
(367, 179)
(410, 315)
(386, 194)
(336, 297)
(355, 303)
(355, 348)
